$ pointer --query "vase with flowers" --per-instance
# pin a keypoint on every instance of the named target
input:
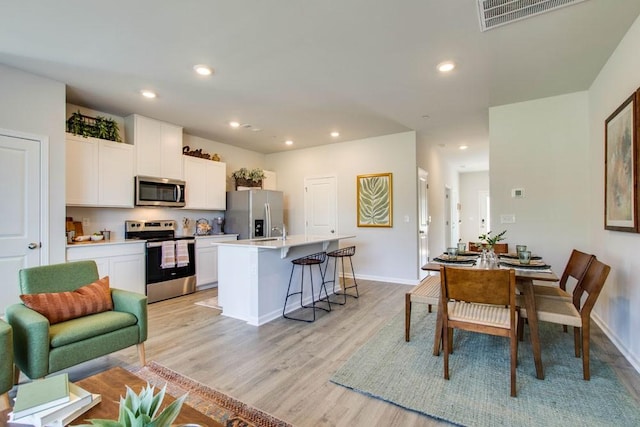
(487, 242)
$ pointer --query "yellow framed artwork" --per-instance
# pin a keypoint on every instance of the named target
(375, 200)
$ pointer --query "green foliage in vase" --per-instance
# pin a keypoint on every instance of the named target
(141, 410)
(489, 241)
(374, 201)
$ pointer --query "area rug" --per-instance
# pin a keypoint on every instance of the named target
(210, 302)
(477, 394)
(217, 405)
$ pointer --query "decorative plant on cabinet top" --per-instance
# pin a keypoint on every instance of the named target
(96, 127)
(248, 178)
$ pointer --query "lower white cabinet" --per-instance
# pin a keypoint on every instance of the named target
(123, 263)
(207, 258)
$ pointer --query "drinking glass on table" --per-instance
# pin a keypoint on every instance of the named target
(520, 248)
(462, 247)
(524, 257)
(453, 253)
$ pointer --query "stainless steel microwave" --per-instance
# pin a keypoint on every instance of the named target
(152, 191)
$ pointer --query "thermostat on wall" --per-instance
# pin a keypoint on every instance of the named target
(517, 193)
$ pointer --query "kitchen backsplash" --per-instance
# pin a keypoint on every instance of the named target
(112, 219)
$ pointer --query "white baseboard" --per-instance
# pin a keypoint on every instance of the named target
(616, 341)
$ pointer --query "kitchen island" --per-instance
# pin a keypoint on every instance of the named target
(253, 275)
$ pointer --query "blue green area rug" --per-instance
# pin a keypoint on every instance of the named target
(477, 394)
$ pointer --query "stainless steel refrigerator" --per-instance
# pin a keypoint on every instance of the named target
(253, 214)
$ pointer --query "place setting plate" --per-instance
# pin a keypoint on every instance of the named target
(534, 264)
(515, 256)
(460, 259)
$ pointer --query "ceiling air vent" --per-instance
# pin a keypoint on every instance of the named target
(494, 13)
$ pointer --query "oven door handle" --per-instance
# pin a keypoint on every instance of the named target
(158, 244)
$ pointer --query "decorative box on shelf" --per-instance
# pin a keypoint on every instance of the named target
(242, 183)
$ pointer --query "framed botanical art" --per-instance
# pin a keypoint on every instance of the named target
(375, 200)
(620, 176)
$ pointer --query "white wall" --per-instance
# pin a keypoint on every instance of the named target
(542, 147)
(616, 310)
(388, 254)
(441, 175)
(471, 183)
(35, 105)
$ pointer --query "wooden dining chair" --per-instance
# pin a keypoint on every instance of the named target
(499, 248)
(574, 313)
(575, 270)
(479, 301)
(426, 292)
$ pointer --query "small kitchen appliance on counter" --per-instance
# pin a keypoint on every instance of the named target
(218, 225)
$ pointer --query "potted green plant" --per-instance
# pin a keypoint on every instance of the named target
(248, 178)
(96, 127)
(141, 410)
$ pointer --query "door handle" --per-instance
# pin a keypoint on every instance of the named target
(333, 231)
(34, 245)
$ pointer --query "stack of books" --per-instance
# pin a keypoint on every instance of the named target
(52, 401)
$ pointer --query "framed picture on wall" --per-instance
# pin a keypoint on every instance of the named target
(620, 168)
(375, 200)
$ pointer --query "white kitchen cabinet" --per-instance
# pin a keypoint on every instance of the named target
(98, 172)
(123, 263)
(158, 146)
(207, 258)
(270, 181)
(206, 182)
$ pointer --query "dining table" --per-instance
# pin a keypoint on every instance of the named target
(525, 275)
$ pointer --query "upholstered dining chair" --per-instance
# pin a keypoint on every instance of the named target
(575, 270)
(574, 313)
(69, 315)
(6, 364)
(480, 301)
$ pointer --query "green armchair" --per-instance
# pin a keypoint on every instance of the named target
(6, 364)
(41, 348)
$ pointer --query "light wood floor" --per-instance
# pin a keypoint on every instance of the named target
(284, 367)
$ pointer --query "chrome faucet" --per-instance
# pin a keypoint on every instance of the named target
(282, 231)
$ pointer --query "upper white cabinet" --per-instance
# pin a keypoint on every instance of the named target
(270, 181)
(158, 146)
(98, 172)
(206, 182)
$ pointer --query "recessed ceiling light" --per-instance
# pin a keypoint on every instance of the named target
(256, 129)
(289, 142)
(148, 94)
(335, 134)
(203, 70)
(234, 124)
(445, 67)
(463, 147)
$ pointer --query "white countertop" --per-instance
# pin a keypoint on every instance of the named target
(291, 241)
(104, 242)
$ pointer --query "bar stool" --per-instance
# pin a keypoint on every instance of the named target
(342, 254)
(310, 261)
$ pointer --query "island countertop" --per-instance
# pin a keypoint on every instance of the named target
(289, 242)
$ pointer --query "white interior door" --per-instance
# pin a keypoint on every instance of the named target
(423, 223)
(484, 212)
(447, 218)
(20, 210)
(320, 206)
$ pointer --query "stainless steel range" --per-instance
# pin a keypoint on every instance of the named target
(170, 272)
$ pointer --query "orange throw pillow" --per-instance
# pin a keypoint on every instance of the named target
(61, 306)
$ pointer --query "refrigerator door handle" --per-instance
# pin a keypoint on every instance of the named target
(267, 212)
